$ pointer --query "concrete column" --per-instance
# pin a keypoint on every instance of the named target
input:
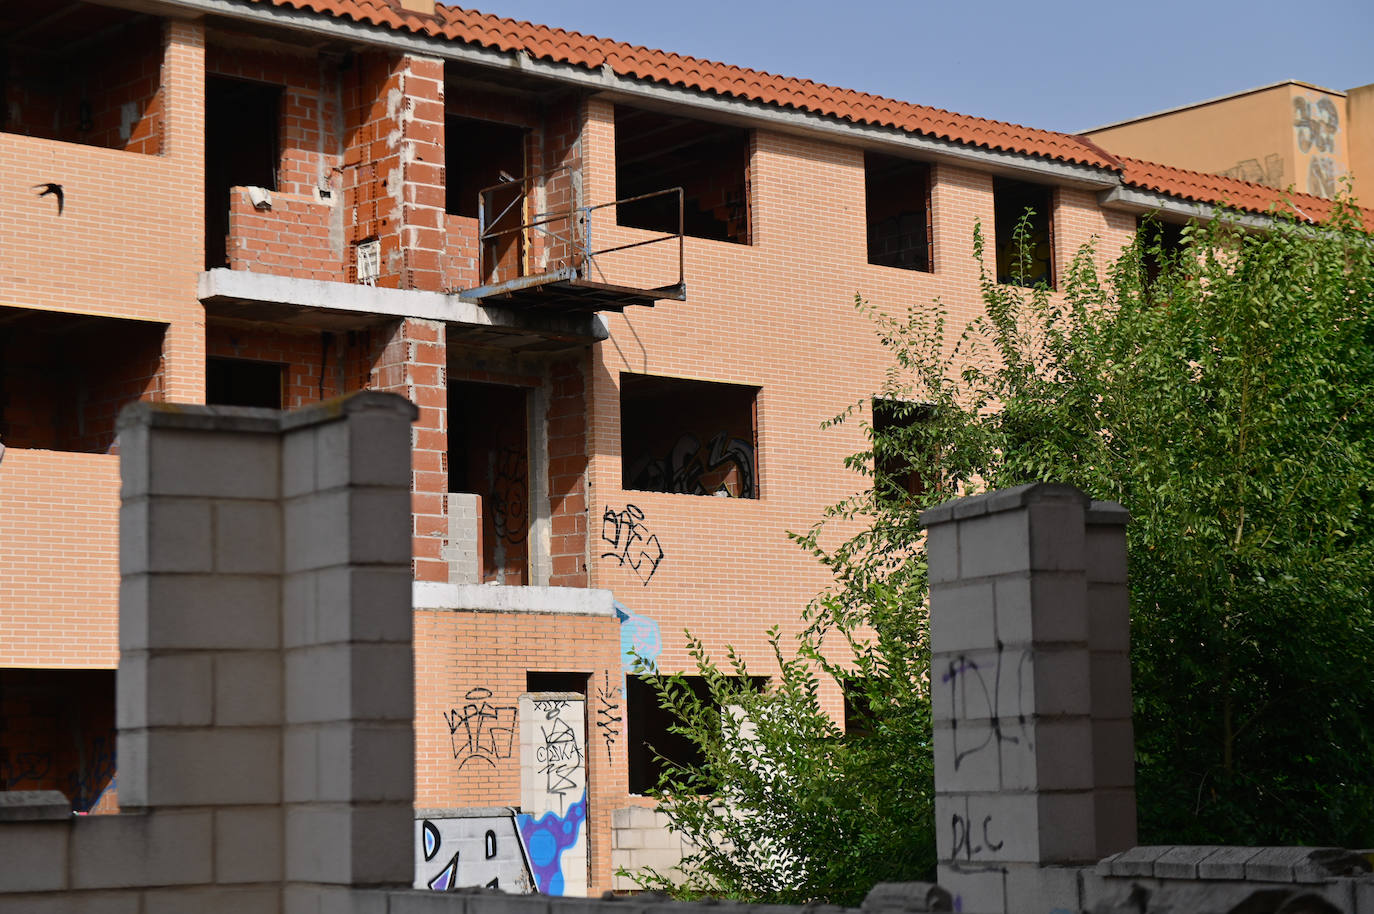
(1029, 686)
(265, 689)
(348, 745)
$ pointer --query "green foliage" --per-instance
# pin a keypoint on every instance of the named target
(1225, 396)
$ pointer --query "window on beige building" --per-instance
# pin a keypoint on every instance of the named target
(1026, 259)
(897, 208)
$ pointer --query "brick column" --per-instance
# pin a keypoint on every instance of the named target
(412, 363)
(394, 165)
(568, 476)
(1032, 764)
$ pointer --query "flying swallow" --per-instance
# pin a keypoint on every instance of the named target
(55, 190)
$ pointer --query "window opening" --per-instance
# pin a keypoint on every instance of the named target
(488, 456)
(688, 437)
(82, 73)
(1161, 241)
(1032, 262)
(481, 154)
(243, 382)
(858, 709)
(65, 377)
(648, 729)
(897, 204)
(904, 460)
(709, 161)
(59, 734)
(242, 149)
(542, 681)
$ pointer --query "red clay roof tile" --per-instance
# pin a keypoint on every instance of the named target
(638, 62)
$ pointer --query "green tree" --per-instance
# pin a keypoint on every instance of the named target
(1225, 395)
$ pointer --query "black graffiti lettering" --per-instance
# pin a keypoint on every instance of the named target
(631, 542)
(725, 466)
(510, 495)
(480, 730)
(491, 843)
(608, 718)
(970, 693)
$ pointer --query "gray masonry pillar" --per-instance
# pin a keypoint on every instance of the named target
(266, 674)
(1030, 686)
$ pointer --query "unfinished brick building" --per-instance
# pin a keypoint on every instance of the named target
(616, 282)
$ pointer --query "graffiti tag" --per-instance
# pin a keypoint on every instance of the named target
(480, 730)
(631, 542)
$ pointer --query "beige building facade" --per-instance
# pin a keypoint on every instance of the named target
(1289, 134)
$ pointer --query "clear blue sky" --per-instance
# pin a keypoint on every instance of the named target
(1057, 64)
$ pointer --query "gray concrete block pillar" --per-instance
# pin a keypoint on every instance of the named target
(1030, 688)
(265, 633)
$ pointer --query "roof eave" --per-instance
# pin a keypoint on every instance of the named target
(1174, 208)
(604, 80)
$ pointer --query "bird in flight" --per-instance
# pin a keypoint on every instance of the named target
(55, 190)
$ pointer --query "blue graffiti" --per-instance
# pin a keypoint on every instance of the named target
(639, 636)
(546, 838)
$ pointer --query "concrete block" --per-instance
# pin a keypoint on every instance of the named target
(350, 682)
(994, 544)
(1276, 864)
(365, 762)
(1066, 828)
(380, 526)
(1111, 686)
(1115, 819)
(165, 535)
(133, 461)
(164, 848)
(1062, 683)
(34, 855)
(133, 610)
(350, 845)
(298, 463)
(216, 464)
(247, 537)
(1043, 889)
(427, 902)
(1226, 863)
(248, 844)
(627, 838)
(364, 604)
(967, 756)
(1056, 536)
(1113, 753)
(979, 829)
(215, 900)
(1181, 861)
(224, 766)
(972, 685)
(1047, 754)
(128, 901)
(248, 688)
(34, 806)
(300, 763)
(942, 553)
(974, 892)
(902, 897)
(1104, 551)
(1363, 892)
(1134, 862)
(164, 690)
(962, 616)
(1047, 607)
(206, 612)
(316, 530)
(1109, 618)
(131, 749)
(330, 899)
(379, 448)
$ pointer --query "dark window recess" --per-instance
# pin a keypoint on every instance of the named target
(687, 437)
(1027, 260)
(1161, 243)
(479, 154)
(710, 162)
(488, 455)
(904, 459)
(65, 377)
(539, 681)
(242, 149)
(81, 73)
(242, 382)
(648, 730)
(858, 711)
(58, 733)
(897, 204)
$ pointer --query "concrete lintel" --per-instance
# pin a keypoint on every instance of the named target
(1137, 200)
(198, 417)
(604, 80)
(574, 601)
(1001, 500)
(465, 812)
(230, 288)
(34, 806)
